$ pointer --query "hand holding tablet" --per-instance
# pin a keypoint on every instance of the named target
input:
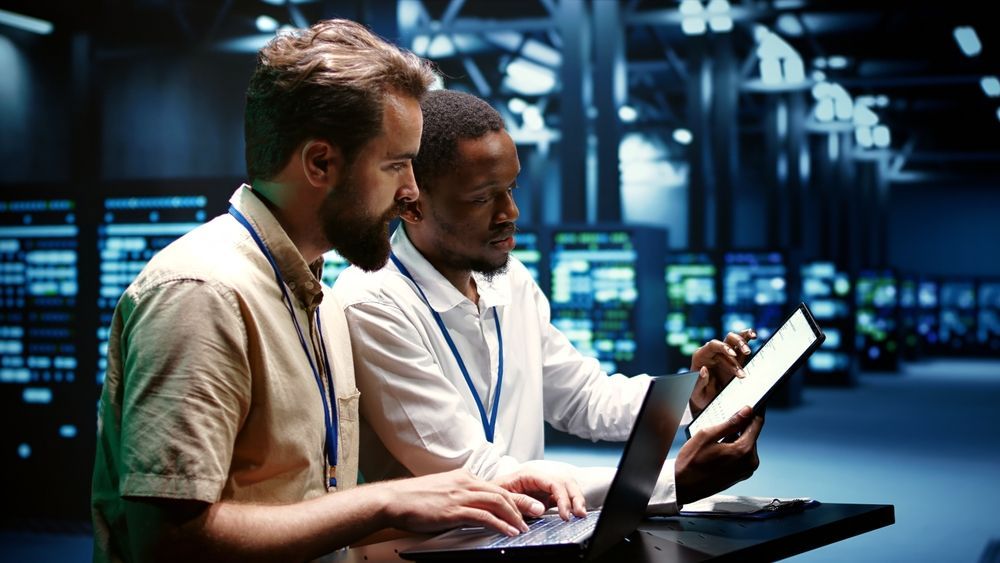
(783, 353)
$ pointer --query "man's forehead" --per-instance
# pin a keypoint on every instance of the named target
(401, 126)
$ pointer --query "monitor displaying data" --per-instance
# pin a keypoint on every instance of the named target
(606, 287)
(528, 250)
(988, 321)
(827, 291)
(692, 280)
(755, 292)
(131, 230)
(48, 406)
(877, 337)
(918, 316)
(957, 316)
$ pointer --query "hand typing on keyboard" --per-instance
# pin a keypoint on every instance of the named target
(551, 530)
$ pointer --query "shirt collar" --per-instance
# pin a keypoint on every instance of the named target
(440, 293)
(301, 278)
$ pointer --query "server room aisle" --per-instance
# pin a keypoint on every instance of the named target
(924, 440)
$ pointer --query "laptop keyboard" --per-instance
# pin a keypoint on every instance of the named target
(551, 530)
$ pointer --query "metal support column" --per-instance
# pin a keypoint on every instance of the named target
(573, 110)
(701, 183)
(794, 145)
(609, 95)
(724, 138)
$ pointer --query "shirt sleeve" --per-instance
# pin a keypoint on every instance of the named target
(421, 417)
(186, 391)
(582, 399)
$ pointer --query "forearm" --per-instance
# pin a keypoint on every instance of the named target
(231, 531)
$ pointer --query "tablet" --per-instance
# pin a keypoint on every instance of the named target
(782, 354)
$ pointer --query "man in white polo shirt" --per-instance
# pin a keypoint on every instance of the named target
(456, 358)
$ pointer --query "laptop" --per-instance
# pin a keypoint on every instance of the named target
(624, 507)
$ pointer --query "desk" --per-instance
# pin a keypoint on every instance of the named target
(686, 539)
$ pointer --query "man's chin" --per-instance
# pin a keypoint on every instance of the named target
(369, 262)
(490, 270)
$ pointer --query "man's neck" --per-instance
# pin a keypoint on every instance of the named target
(464, 282)
(461, 279)
(279, 201)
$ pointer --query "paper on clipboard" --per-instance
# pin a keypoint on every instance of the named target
(745, 506)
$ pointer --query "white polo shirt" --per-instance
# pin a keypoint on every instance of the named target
(420, 415)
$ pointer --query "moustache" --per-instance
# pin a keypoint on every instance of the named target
(394, 211)
(505, 232)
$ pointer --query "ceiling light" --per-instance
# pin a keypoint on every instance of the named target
(717, 6)
(824, 110)
(967, 40)
(516, 105)
(627, 114)
(533, 119)
(991, 86)
(26, 23)
(880, 136)
(266, 24)
(683, 136)
(837, 61)
(863, 135)
(693, 26)
(794, 71)
(529, 79)
(691, 7)
(721, 24)
(789, 25)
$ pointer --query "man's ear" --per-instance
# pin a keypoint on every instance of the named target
(412, 212)
(322, 163)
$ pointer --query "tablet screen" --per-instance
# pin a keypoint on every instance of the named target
(774, 359)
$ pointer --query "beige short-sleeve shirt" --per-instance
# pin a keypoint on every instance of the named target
(209, 395)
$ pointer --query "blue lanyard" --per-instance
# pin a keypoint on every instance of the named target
(328, 404)
(489, 423)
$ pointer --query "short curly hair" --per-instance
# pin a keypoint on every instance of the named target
(449, 116)
(325, 82)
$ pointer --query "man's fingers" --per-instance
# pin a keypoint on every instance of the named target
(736, 423)
(579, 501)
(752, 430)
(737, 342)
(501, 503)
(527, 504)
(479, 517)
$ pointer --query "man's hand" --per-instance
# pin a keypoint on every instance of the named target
(457, 498)
(718, 363)
(705, 466)
(548, 487)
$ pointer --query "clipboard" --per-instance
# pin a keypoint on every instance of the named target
(756, 508)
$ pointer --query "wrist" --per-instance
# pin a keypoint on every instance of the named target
(382, 495)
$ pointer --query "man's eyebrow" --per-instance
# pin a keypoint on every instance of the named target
(402, 156)
(491, 185)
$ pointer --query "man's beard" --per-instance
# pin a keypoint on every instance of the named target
(359, 238)
(488, 269)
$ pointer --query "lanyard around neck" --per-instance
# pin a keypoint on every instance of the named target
(489, 423)
(329, 406)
